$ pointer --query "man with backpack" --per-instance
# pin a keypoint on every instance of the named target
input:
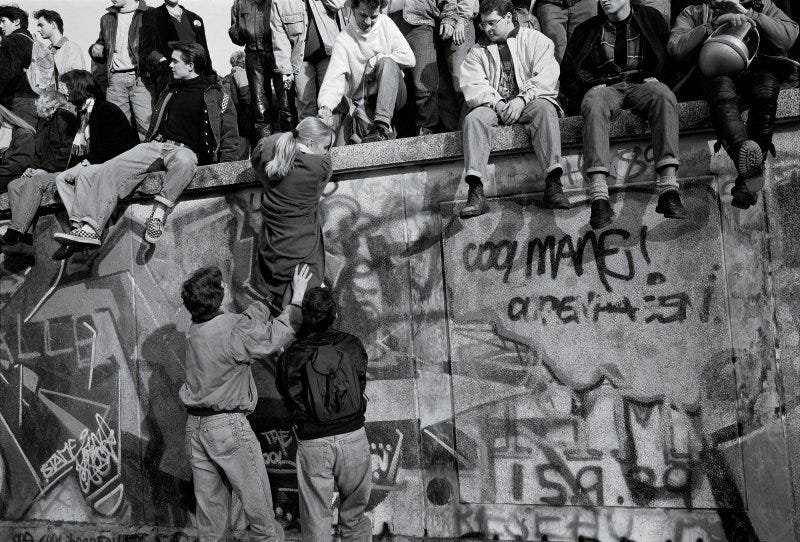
(26, 65)
(322, 378)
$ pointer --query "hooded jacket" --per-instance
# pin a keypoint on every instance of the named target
(535, 68)
(289, 380)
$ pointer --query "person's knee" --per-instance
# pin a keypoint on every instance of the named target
(185, 158)
(661, 93)
(723, 90)
(595, 105)
(386, 63)
(16, 185)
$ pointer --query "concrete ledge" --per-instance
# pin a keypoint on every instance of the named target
(442, 148)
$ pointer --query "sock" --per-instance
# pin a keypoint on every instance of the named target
(473, 181)
(665, 183)
(159, 212)
(598, 189)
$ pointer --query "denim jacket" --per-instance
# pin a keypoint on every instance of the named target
(430, 12)
(222, 142)
(289, 24)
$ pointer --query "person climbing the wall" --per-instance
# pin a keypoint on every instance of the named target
(322, 378)
(293, 168)
(219, 393)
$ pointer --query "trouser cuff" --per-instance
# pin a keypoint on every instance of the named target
(166, 202)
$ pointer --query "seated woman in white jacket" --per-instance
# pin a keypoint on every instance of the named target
(510, 76)
(366, 68)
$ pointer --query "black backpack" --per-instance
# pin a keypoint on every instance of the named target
(333, 393)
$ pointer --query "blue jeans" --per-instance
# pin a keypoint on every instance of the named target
(225, 455)
(342, 461)
(559, 20)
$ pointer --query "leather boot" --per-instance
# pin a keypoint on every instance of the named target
(554, 197)
(476, 201)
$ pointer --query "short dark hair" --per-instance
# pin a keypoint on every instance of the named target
(81, 85)
(500, 6)
(13, 13)
(191, 53)
(51, 17)
(202, 292)
(371, 4)
(319, 309)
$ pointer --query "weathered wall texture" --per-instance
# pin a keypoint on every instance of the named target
(529, 378)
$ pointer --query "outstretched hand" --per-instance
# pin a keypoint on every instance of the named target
(300, 280)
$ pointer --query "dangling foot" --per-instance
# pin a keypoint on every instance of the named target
(671, 206)
(602, 214)
(78, 236)
(554, 197)
(476, 201)
(743, 198)
(154, 229)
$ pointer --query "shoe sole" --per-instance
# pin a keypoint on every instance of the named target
(67, 239)
(472, 214)
(152, 240)
(755, 184)
(750, 159)
(556, 204)
(605, 223)
(676, 215)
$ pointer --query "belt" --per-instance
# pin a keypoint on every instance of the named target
(205, 411)
(161, 139)
(129, 70)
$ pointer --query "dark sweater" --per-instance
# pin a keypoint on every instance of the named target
(289, 379)
(16, 51)
(17, 157)
(184, 117)
(110, 132)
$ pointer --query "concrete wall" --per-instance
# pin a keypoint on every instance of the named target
(529, 379)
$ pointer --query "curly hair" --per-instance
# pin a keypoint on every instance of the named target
(319, 309)
(202, 292)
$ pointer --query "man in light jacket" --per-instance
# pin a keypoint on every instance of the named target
(303, 33)
(510, 76)
(366, 67)
(67, 55)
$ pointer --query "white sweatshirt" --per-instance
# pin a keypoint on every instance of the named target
(352, 50)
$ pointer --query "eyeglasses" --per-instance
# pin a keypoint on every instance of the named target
(488, 25)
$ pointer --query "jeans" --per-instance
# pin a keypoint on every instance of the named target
(129, 93)
(558, 22)
(760, 89)
(225, 455)
(99, 187)
(25, 196)
(652, 100)
(426, 44)
(539, 116)
(261, 76)
(342, 461)
(391, 96)
(307, 83)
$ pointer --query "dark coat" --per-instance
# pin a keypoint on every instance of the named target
(16, 52)
(158, 22)
(110, 133)
(54, 141)
(580, 69)
(289, 379)
(17, 157)
(221, 127)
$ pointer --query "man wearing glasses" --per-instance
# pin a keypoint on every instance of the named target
(510, 76)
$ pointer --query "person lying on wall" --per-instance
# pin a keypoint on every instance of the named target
(293, 169)
(193, 122)
(17, 145)
(616, 60)
(727, 84)
(219, 393)
(510, 76)
(366, 68)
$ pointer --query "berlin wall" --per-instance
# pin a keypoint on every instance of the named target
(529, 378)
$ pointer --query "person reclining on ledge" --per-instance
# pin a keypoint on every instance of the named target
(17, 146)
(193, 122)
(102, 132)
(219, 393)
(759, 84)
(510, 76)
(614, 61)
(366, 67)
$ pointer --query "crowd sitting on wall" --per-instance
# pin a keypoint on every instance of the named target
(355, 65)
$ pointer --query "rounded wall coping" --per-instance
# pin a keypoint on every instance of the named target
(444, 147)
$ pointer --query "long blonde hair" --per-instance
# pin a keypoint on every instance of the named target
(310, 129)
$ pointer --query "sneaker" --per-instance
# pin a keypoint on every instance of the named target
(742, 197)
(379, 132)
(78, 236)
(602, 214)
(671, 206)
(554, 197)
(154, 228)
(476, 201)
